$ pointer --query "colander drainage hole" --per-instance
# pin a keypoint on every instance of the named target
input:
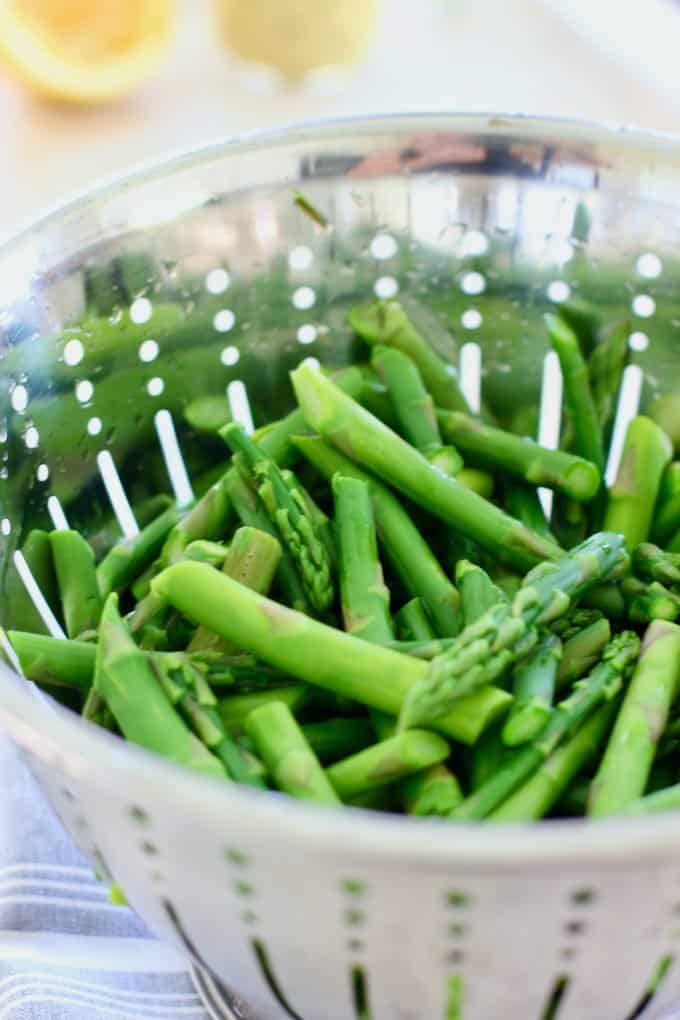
(267, 971)
(658, 977)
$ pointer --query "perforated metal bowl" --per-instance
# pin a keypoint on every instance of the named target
(222, 283)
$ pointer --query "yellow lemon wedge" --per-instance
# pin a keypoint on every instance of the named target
(84, 51)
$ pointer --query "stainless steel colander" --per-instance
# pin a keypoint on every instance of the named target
(213, 280)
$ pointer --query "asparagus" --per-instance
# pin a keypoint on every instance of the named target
(366, 440)
(402, 542)
(414, 407)
(386, 323)
(364, 594)
(533, 691)
(413, 623)
(568, 626)
(47, 660)
(605, 370)
(208, 414)
(624, 770)
(252, 560)
(666, 521)
(521, 501)
(188, 690)
(603, 684)
(651, 601)
(125, 680)
(290, 760)
(655, 564)
(306, 648)
(574, 476)
(507, 632)
(204, 551)
(288, 509)
(577, 392)
(653, 803)
(422, 649)
(145, 511)
(386, 761)
(235, 709)
(569, 522)
(126, 560)
(477, 591)
(608, 598)
(20, 611)
(488, 755)
(334, 739)
(77, 578)
(473, 479)
(581, 652)
(647, 451)
(545, 787)
(434, 791)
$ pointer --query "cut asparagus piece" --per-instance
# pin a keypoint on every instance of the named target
(625, 767)
(334, 739)
(536, 797)
(313, 651)
(126, 560)
(647, 451)
(20, 612)
(386, 323)
(666, 521)
(474, 479)
(493, 448)
(382, 763)
(533, 691)
(581, 652)
(603, 684)
(422, 649)
(402, 542)
(370, 443)
(47, 660)
(605, 369)
(364, 594)
(521, 501)
(125, 680)
(654, 803)
(434, 791)
(288, 510)
(413, 623)
(485, 649)
(252, 560)
(290, 760)
(655, 564)
(477, 591)
(647, 602)
(236, 708)
(77, 577)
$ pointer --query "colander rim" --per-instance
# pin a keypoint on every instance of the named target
(63, 739)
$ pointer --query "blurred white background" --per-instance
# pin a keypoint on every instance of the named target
(609, 60)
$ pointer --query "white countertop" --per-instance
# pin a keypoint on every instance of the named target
(517, 56)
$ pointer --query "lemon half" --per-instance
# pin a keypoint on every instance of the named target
(84, 51)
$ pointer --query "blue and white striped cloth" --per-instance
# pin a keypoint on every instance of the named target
(66, 953)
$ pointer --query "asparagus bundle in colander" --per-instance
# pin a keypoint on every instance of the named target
(368, 604)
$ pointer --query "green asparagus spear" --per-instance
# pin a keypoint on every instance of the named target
(666, 521)
(477, 591)
(646, 453)
(309, 649)
(290, 760)
(605, 370)
(288, 509)
(608, 598)
(421, 649)
(208, 414)
(568, 626)
(533, 691)
(581, 652)
(126, 560)
(655, 564)
(434, 791)
(505, 633)
(473, 479)
(603, 684)
(334, 739)
(545, 787)
(519, 456)
(364, 594)
(251, 513)
(125, 680)
(413, 407)
(402, 542)
(387, 324)
(580, 316)
(522, 502)
(19, 609)
(487, 756)
(653, 803)
(413, 623)
(236, 708)
(569, 522)
(77, 578)
(651, 601)
(577, 392)
(252, 560)
(47, 660)
(366, 440)
(624, 769)
(382, 763)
